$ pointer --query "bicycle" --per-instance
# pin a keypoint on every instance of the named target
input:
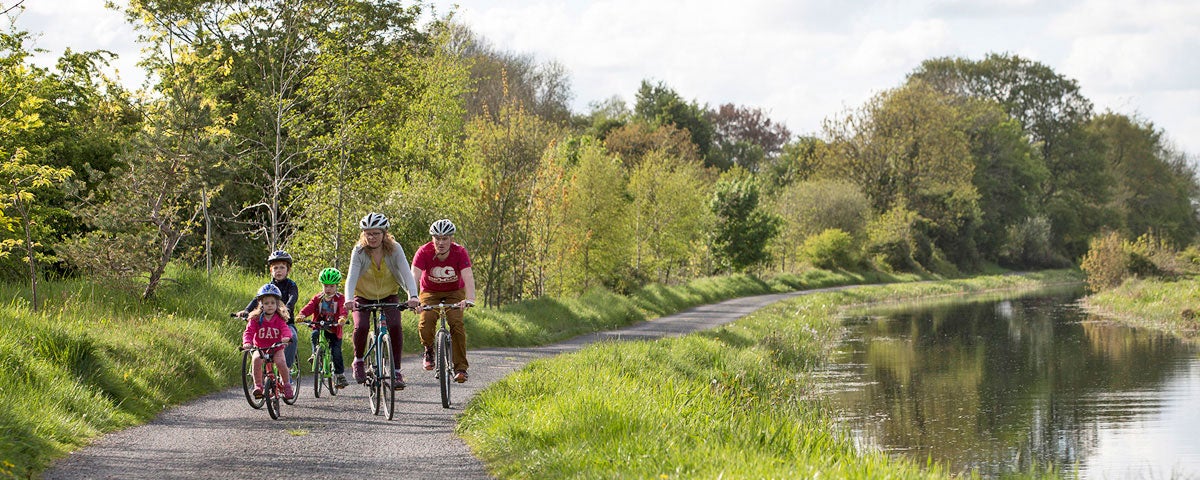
(444, 369)
(271, 393)
(322, 359)
(248, 379)
(380, 365)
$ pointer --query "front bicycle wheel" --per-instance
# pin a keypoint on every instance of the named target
(271, 394)
(373, 383)
(445, 369)
(387, 375)
(327, 361)
(248, 380)
(317, 366)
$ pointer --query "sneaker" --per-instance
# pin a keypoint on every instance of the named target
(288, 393)
(400, 381)
(341, 381)
(460, 376)
(258, 392)
(428, 358)
(360, 374)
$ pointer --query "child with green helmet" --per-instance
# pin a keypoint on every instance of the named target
(329, 305)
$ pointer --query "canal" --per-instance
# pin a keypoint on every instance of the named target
(1004, 385)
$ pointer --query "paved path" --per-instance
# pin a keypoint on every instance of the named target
(220, 436)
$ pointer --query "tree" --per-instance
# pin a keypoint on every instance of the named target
(745, 136)
(502, 156)
(1155, 186)
(18, 182)
(544, 89)
(660, 105)
(743, 229)
(596, 240)
(668, 217)
(1053, 111)
(635, 140)
(809, 208)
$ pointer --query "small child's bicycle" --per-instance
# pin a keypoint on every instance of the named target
(444, 369)
(322, 359)
(271, 381)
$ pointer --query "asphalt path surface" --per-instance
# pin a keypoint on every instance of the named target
(220, 436)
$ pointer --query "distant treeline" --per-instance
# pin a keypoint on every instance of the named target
(271, 124)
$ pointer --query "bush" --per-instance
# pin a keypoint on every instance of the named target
(891, 240)
(833, 248)
(1106, 262)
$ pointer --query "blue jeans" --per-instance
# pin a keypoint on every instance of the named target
(335, 349)
(289, 352)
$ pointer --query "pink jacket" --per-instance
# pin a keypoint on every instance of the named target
(263, 333)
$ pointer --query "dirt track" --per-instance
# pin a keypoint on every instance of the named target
(220, 436)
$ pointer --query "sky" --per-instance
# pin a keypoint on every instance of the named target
(800, 61)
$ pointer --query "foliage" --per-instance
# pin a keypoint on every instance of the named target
(744, 136)
(635, 140)
(743, 227)
(595, 241)
(1106, 262)
(660, 105)
(892, 240)
(832, 248)
(810, 207)
(668, 215)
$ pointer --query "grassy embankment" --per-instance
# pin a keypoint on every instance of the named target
(1169, 306)
(95, 359)
(728, 403)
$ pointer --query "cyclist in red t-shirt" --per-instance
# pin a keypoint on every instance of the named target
(443, 269)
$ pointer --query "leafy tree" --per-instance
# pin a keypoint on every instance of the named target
(809, 208)
(544, 89)
(743, 228)
(596, 239)
(1155, 187)
(605, 116)
(745, 136)
(669, 217)
(660, 105)
(502, 157)
(635, 140)
(1053, 111)
(156, 200)
(18, 182)
(796, 162)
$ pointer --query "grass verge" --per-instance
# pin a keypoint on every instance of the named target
(727, 403)
(1164, 305)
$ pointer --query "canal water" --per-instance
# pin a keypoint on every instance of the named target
(1000, 386)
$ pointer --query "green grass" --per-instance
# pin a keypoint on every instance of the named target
(96, 359)
(1169, 306)
(728, 403)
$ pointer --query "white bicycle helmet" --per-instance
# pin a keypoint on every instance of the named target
(373, 220)
(442, 227)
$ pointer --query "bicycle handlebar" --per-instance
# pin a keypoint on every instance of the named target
(380, 306)
(442, 306)
(323, 324)
(269, 349)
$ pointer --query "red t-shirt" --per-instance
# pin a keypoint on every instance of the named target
(441, 275)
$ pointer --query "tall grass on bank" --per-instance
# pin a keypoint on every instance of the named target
(95, 359)
(728, 403)
(1169, 306)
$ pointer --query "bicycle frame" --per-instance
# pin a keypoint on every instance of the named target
(380, 364)
(442, 344)
(322, 364)
(271, 379)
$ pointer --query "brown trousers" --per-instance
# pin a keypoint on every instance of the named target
(454, 319)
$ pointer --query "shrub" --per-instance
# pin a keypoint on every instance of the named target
(832, 248)
(1106, 262)
(891, 240)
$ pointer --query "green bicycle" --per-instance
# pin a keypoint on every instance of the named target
(322, 359)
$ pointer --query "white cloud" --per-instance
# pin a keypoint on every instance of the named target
(888, 51)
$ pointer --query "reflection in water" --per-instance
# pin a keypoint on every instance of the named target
(1001, 386)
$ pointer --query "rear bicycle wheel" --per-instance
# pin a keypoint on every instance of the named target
(271, 394)
(248, 380)
(445, 369)
(387, 369)
(318, 365)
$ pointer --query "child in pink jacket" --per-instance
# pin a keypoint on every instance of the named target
(267, 325)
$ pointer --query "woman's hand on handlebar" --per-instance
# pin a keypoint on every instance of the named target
(351, 305)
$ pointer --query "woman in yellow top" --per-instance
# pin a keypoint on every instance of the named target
(378, 268)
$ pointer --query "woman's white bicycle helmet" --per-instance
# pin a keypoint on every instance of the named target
(373, 220)
(441, 228)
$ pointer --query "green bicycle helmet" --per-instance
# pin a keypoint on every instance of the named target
(330, 276)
